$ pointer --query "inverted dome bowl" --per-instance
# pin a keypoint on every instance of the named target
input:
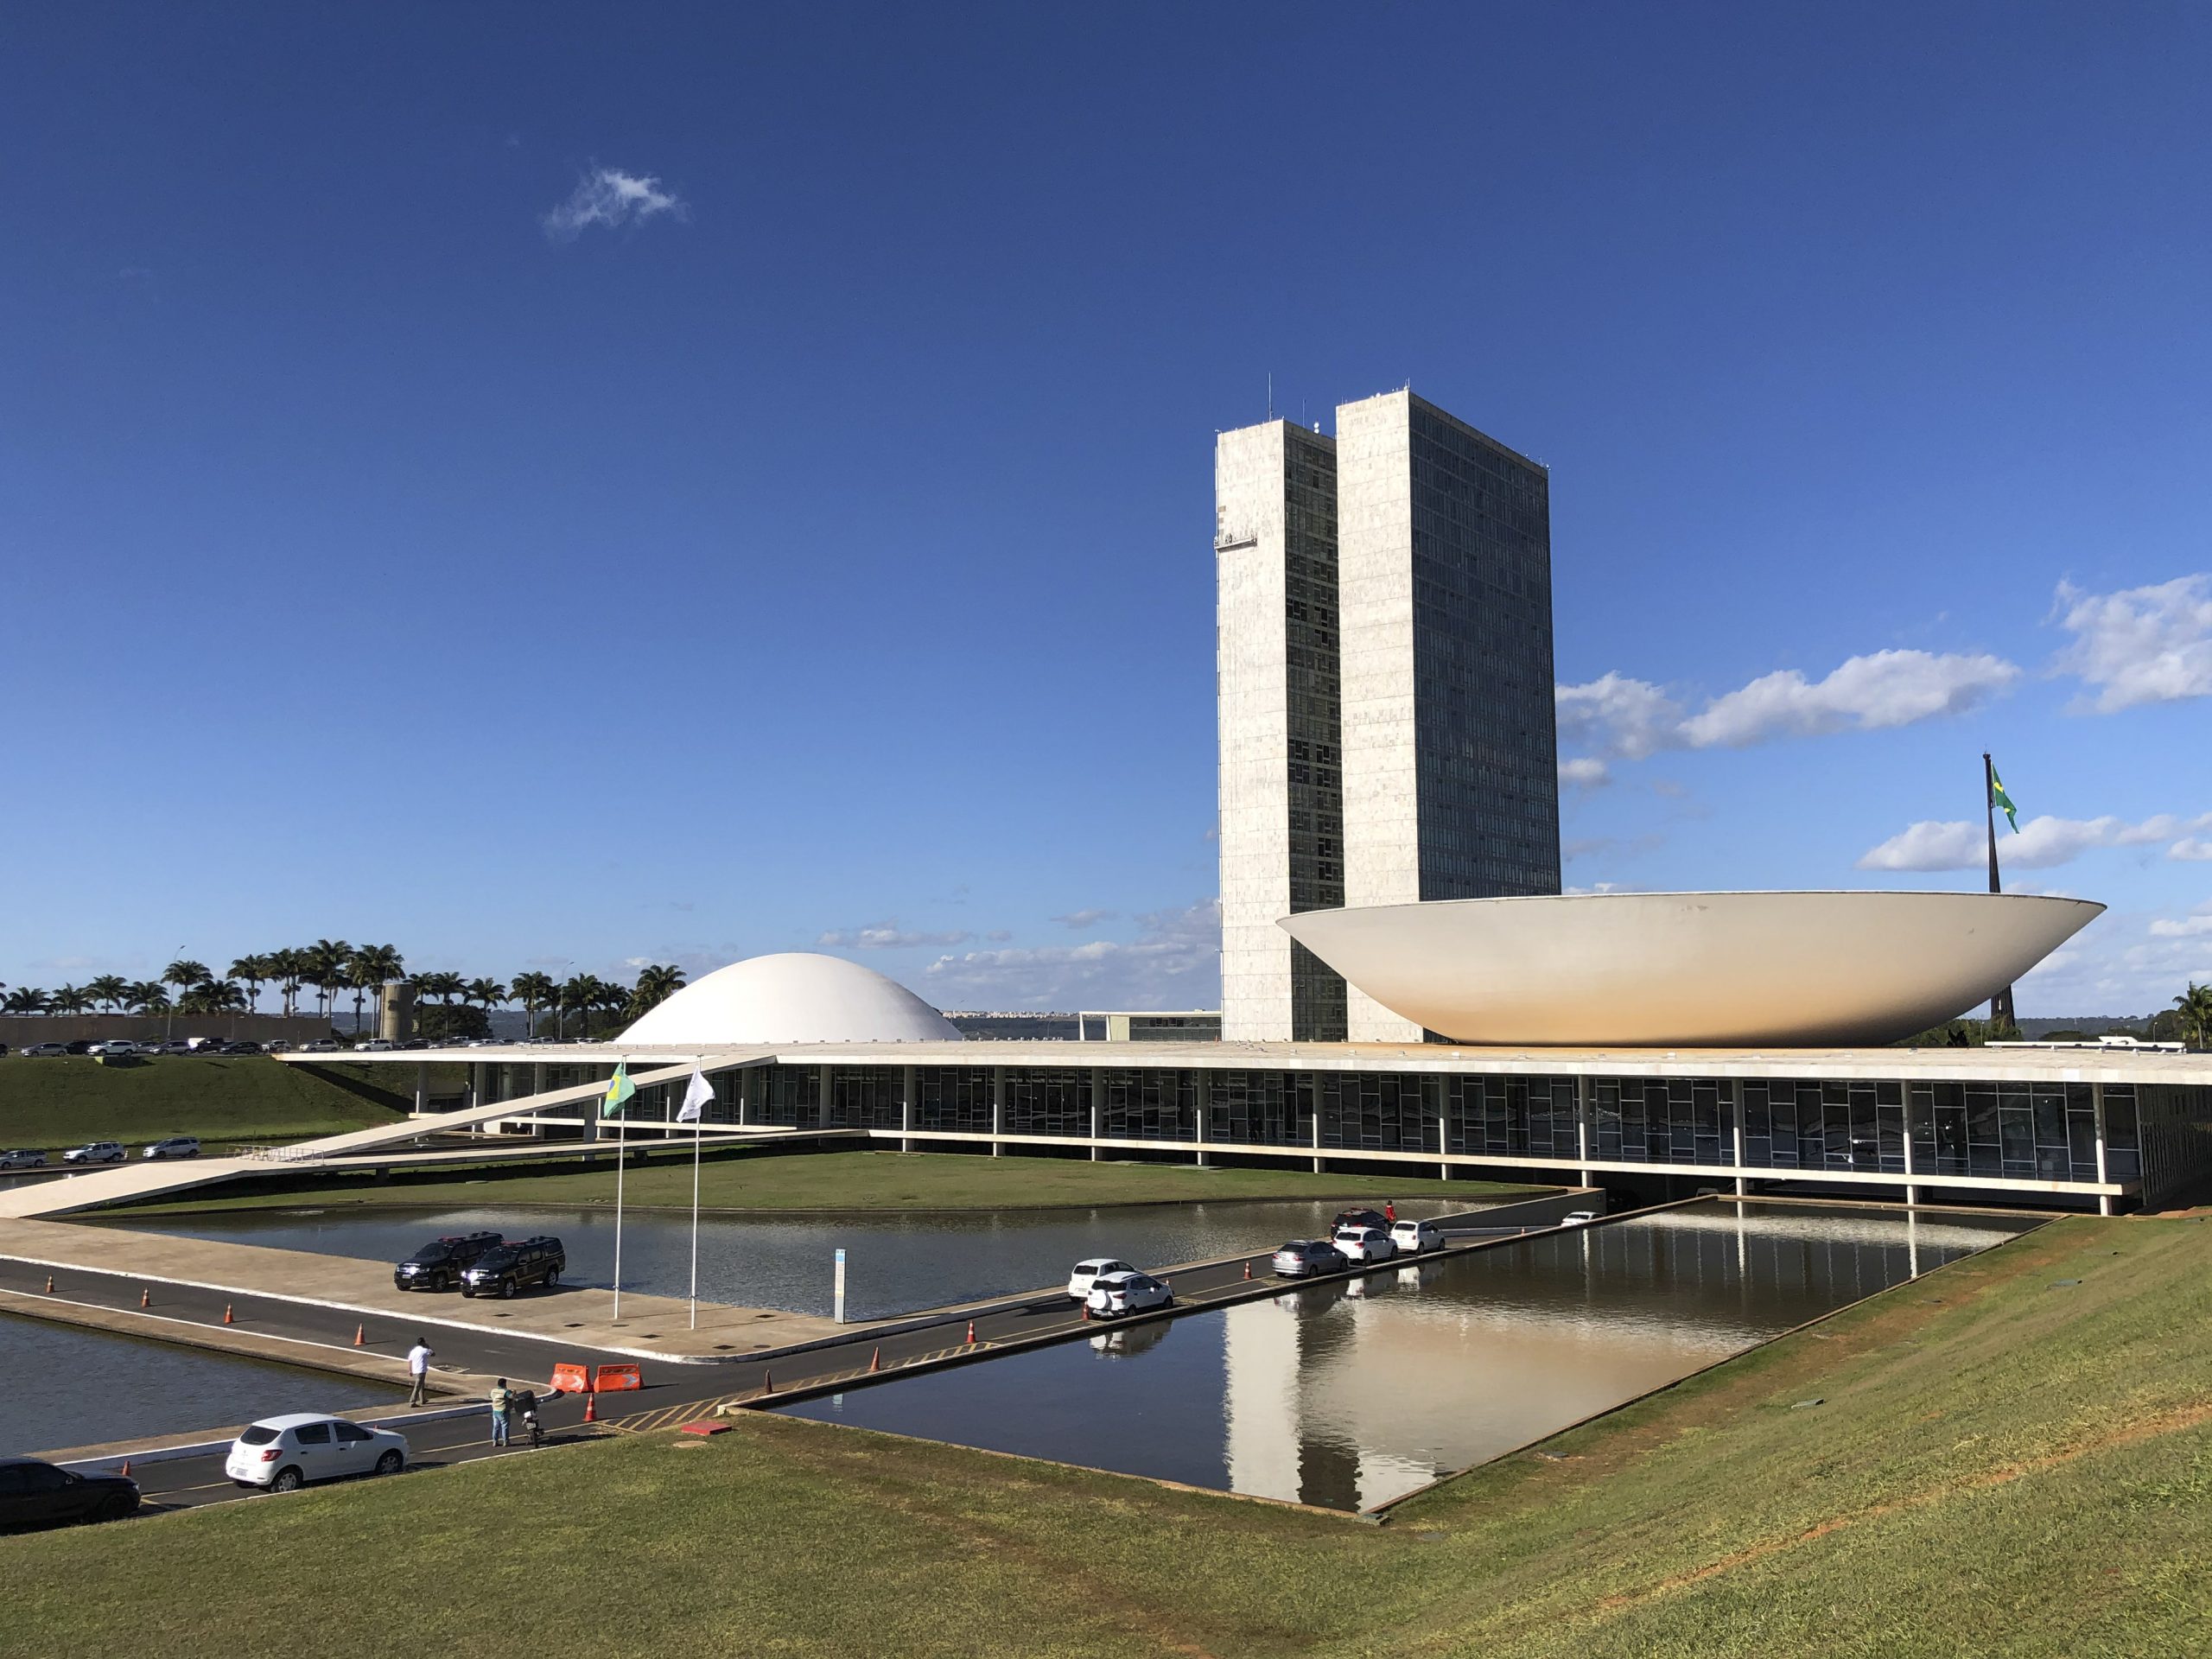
(1690, 970)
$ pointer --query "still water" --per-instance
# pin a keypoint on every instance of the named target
(72, 1388)
(1349, 1394)
(894, 1263)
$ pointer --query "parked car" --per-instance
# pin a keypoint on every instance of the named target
(80, 1046)
(280, 1046)
(1412, 1237)
(1577, 1219)
(284, 1454)
(1360, 1219)
(319, 1045)
(115, 1049)
(175, 1046)
(177, 1146)
(239, 1047)
(1363, 1244)
(1116, 1293)
(509, 1268)
(1301, 1258)
(377, 1045)
(439, 1263)
(47, 1051)
(34, 1494)
(23, 1158)
(96, 1152)
(1087, 1273)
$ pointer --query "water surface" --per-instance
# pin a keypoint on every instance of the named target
(1349, 1394)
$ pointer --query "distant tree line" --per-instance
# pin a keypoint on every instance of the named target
(2189, 1021)
(329, 969)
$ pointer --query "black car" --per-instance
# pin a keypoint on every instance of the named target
(1374, 1219)
(505, 1270)
(34, 1494)
(439, 1264)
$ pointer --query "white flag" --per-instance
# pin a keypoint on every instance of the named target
(695, 1098)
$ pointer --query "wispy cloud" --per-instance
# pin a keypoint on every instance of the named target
(1079, 919)
(1584, 771)
(2043, 842)
(2141, 644)
(889, 936)
(1173, 962)
(608, 196)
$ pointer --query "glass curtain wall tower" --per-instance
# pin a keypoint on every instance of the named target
(1384, 677)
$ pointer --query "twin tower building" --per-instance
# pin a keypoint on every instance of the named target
(1388, 734)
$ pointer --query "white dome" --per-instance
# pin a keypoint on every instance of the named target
(795, 996)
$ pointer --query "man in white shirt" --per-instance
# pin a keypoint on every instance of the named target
(419, 1372)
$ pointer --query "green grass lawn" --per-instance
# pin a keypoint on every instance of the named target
(50, 1104)
(2003, 1465)
(856, 1180)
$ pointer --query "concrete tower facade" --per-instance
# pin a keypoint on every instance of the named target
(1384, 660)
(1281, 789)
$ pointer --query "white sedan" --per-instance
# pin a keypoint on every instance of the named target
(284, 1454)
(1128, 1292)
(1089, 1272)
(96, 1152)
(1363, 1244)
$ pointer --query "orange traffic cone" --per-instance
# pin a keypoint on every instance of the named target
(50, 1284)
(228, 1317)
(1086, 1313)
(1248, 1270)
(125, 1470)
(971, 1333)
(360, 1336)
(145, 1296)
(591, 1406)
(875, 1360)
(768, 1381)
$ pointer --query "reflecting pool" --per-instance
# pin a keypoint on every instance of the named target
(1350, 1393)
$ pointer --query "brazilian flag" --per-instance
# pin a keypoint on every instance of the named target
(619, 1088)
(1998, 797)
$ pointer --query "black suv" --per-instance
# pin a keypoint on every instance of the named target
(34, 1494)
(504, 1271)
(439, 1264)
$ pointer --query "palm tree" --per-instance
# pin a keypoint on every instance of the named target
(285, 967)
(212, 997)
(383, 964)
(486, 992)
(363, 978)
(444, 987)
(534, 991)
(147, 996)
(2194, 1008)
(326, 971)
(69, 999)
(185, 973)
(583, 993)
(253, 970)
(26, 999)
(656, 984)
(109, 990)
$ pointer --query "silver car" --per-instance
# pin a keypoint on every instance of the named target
(23, 1158)
(177, 1146)
(96, 1152)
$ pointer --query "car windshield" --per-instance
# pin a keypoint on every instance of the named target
(496, 1259)
(259, 1434)
(431, 1253)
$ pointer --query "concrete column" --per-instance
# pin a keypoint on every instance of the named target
(1319, 1163)
(998, 1108)
(1582, 1126)
(1736, 1133)
(1911, 1186)
(745, 1086)
(422, 1086)
(820, 1096)
(906, 1085)
(1199, 1115)
(1097, 1109)
(2097, 1105)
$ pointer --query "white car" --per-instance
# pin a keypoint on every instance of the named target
(1088, 1272)
(177, 1146)
(23, 1158)
(1412, 1237)
(1577, 1219)
(1126, 1292)
(319, 1045)
(284, 1454)
(116, 1049)
(96, 1152)
(1363, 1244)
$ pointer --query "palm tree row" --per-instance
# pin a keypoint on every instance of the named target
(331, 966)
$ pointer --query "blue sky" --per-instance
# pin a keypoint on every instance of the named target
(550, 486)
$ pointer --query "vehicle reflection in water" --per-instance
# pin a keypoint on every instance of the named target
(1348, 1393)
(1126, 1341)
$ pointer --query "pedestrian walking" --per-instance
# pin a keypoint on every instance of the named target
(502, 1397)
(419, 1372)
(1390, 1211)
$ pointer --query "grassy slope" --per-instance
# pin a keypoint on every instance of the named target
(867, 1180)
(64, 1103)
(2019, 1470)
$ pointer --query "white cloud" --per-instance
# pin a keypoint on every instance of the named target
(608, 196)
(2141, 644)
(1871, 692)
(2109, 969)
(2042, 842)
(1079, 919)
(1173, 962)
(1625, 719)
(888, 936)
(2196, 925)
(2191, 849)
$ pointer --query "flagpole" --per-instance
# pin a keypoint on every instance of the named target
(699, 1127)
(2000, 1005)
(621, 1161)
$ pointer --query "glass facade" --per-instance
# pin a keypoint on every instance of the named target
(1311, 710)
(1485, 729)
